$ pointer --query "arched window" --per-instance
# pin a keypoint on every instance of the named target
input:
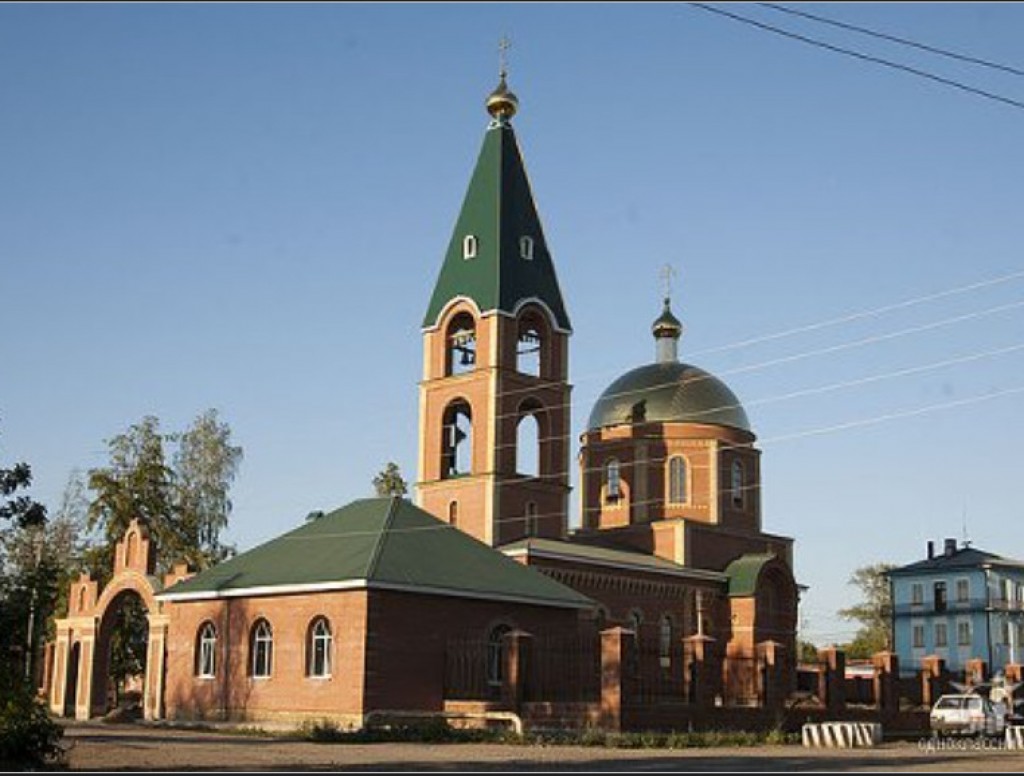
(318, 649)
(528, 444)
(496, 654)
(612, 481)
(206, 651)
(262, 649)
(531, 518)
(665, 641)
(738, 477)
(457, 440)
(469, 246)
(529, 344)
(460, 345)
(526, 248)
(636, 620)
(453, 513)
(601, 618)
(677, 490)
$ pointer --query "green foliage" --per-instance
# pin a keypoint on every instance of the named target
(874, 612)
(128, 643)
(807, 652)
(389, 482)
(205, 465)
(184, 506)
(29, 738)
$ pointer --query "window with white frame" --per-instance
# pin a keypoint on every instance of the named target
(206, 652)
(319, 649)
(941, 637)
(612, 480)
(496, 654)
(1004, 632)
(963, 590)
(738, 476)
(917, 594)
(677, 480)
(963, 633)
(917, 637)
(469, 246)
(665, 642)
(262, 649)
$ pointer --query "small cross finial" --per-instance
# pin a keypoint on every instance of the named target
(503, 46)
(666, 274)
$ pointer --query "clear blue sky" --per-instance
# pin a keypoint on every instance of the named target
(245, 207)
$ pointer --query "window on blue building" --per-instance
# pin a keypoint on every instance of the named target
(940, 596)
(963, 634)
(940, 634)
(918, 637)
(917, 594)
(963, 590)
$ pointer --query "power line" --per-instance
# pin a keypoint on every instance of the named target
(858, 55)
(894, 39)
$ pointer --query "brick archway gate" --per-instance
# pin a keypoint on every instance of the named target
(81, 654)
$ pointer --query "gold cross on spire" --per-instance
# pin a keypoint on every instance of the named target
(666, 274)
(503, 46)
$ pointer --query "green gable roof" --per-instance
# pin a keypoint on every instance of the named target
(498, 210)
(743, 573)
(385, 543)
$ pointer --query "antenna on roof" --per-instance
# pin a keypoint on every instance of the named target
(967, 542)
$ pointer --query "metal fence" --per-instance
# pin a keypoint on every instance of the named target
(465, 671)
(564, 669)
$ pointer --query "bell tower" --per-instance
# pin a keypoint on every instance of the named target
(494, 398)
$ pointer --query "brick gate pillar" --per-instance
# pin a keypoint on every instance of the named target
(771, 683)
(518, 654)
(156, 657)
(886, 682)
(618, 675)
(703, 670)
(933, 679)
(833, 679)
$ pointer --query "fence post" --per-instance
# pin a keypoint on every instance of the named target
(704, 672)
(887, 674)
(933, 674)
(518, 649)
(771, 656)
(833, 691)
(618, 675)
(976, 671)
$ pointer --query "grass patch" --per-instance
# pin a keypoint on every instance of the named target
(438, 731)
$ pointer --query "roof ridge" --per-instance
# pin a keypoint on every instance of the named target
(378, 547)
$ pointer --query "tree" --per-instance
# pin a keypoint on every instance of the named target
(389, 482)
(205, 465)
(137, 484)
(874, 612)
(29, 738)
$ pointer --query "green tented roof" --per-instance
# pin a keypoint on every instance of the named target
(386, 543)
(743, 573)
(498, 210)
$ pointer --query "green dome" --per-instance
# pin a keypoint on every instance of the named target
(668, 392)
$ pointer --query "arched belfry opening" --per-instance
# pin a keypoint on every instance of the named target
(460, 344)
(530, 433)
(457, 439)
(531, 344)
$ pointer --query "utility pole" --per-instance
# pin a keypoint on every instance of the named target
(30, 635)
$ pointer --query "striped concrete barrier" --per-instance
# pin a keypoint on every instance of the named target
(1015, 736)
(841, 735)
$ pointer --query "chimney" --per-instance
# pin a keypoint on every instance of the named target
(931, 550)
(950, 546)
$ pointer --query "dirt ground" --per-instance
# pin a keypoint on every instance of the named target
(103, 747)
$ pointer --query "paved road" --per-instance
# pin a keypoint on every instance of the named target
(96, 746)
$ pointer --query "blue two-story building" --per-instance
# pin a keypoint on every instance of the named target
(961, 604)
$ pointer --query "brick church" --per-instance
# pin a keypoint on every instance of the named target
(478, 598)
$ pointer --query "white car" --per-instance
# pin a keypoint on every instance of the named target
(968, 714)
